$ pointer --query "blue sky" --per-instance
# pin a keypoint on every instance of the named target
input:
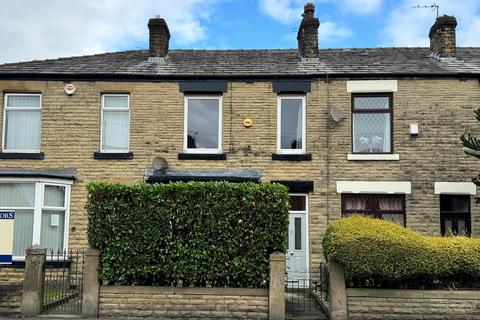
(32, 29)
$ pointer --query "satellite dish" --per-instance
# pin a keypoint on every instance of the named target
(159, 163)
(335, 114)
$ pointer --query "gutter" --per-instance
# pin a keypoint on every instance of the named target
(244, 78)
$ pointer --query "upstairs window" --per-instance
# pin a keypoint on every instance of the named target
(115, 132)
(22, 125)
(455, 215)
(203, 124)
(381, 206)
(291, 130)
(372, 123)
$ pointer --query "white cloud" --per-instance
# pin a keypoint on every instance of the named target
(332, 32)
(407, 26)
(32, 29)
(283, 11)
(289, 12)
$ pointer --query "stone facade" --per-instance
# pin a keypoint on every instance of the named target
(443, 108)
(370, 304)
(187, 303)
(10, 298)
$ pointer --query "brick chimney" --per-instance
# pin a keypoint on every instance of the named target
(442, 37)
(159, 38)
(308, 33)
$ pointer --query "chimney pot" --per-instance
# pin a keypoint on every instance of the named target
(442, 37)
(159, 38)
(308, 33)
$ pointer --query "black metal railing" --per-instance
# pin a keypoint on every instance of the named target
(64, 273)
(303, 293)
(322, 293)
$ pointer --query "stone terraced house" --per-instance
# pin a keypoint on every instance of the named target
(371, 130)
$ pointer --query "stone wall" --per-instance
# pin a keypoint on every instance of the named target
(169, 302)
(370, 304)
(10, 298)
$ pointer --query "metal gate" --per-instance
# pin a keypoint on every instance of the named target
(307, 295)
(64, 273)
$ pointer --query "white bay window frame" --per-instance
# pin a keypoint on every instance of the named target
(110, 109)
(220, 126)
(5, 121)
(39, 206)
(302, 150)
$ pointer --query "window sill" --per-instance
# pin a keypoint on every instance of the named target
(292, 157)
(202, 156)
(373, 157)
(113, 155)
(22, 156)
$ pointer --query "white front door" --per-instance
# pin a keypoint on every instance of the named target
(297, 254)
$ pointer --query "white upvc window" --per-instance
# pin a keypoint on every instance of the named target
(22, 122)
(115, 131)
(291, 124)
(203, 124)
(41, 212)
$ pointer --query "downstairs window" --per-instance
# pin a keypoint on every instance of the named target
(382, 206)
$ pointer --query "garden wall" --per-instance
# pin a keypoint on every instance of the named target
(10, 298)
(369, 304)
(171, 302)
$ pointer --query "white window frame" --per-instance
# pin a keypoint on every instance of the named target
(39, 206)
(185, 124)
(303, 150)
(114, 110)
(6, 108)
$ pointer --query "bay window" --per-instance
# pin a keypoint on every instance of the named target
(382, 206)
(372, 123)
(41, 213)
(22, 123)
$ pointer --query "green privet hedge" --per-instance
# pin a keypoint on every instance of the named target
(189, 234)
(375, 248)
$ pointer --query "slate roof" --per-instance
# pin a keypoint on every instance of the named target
(265, 63)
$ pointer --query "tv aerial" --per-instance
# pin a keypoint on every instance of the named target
(434, 7)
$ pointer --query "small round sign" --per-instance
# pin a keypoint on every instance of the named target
(70, 89)
(247, 122)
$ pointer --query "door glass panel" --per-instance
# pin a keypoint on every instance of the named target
(298, 233)
(298, 203)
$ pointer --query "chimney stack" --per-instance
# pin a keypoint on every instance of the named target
(159, 38)
(308, 33)
(442, 37)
